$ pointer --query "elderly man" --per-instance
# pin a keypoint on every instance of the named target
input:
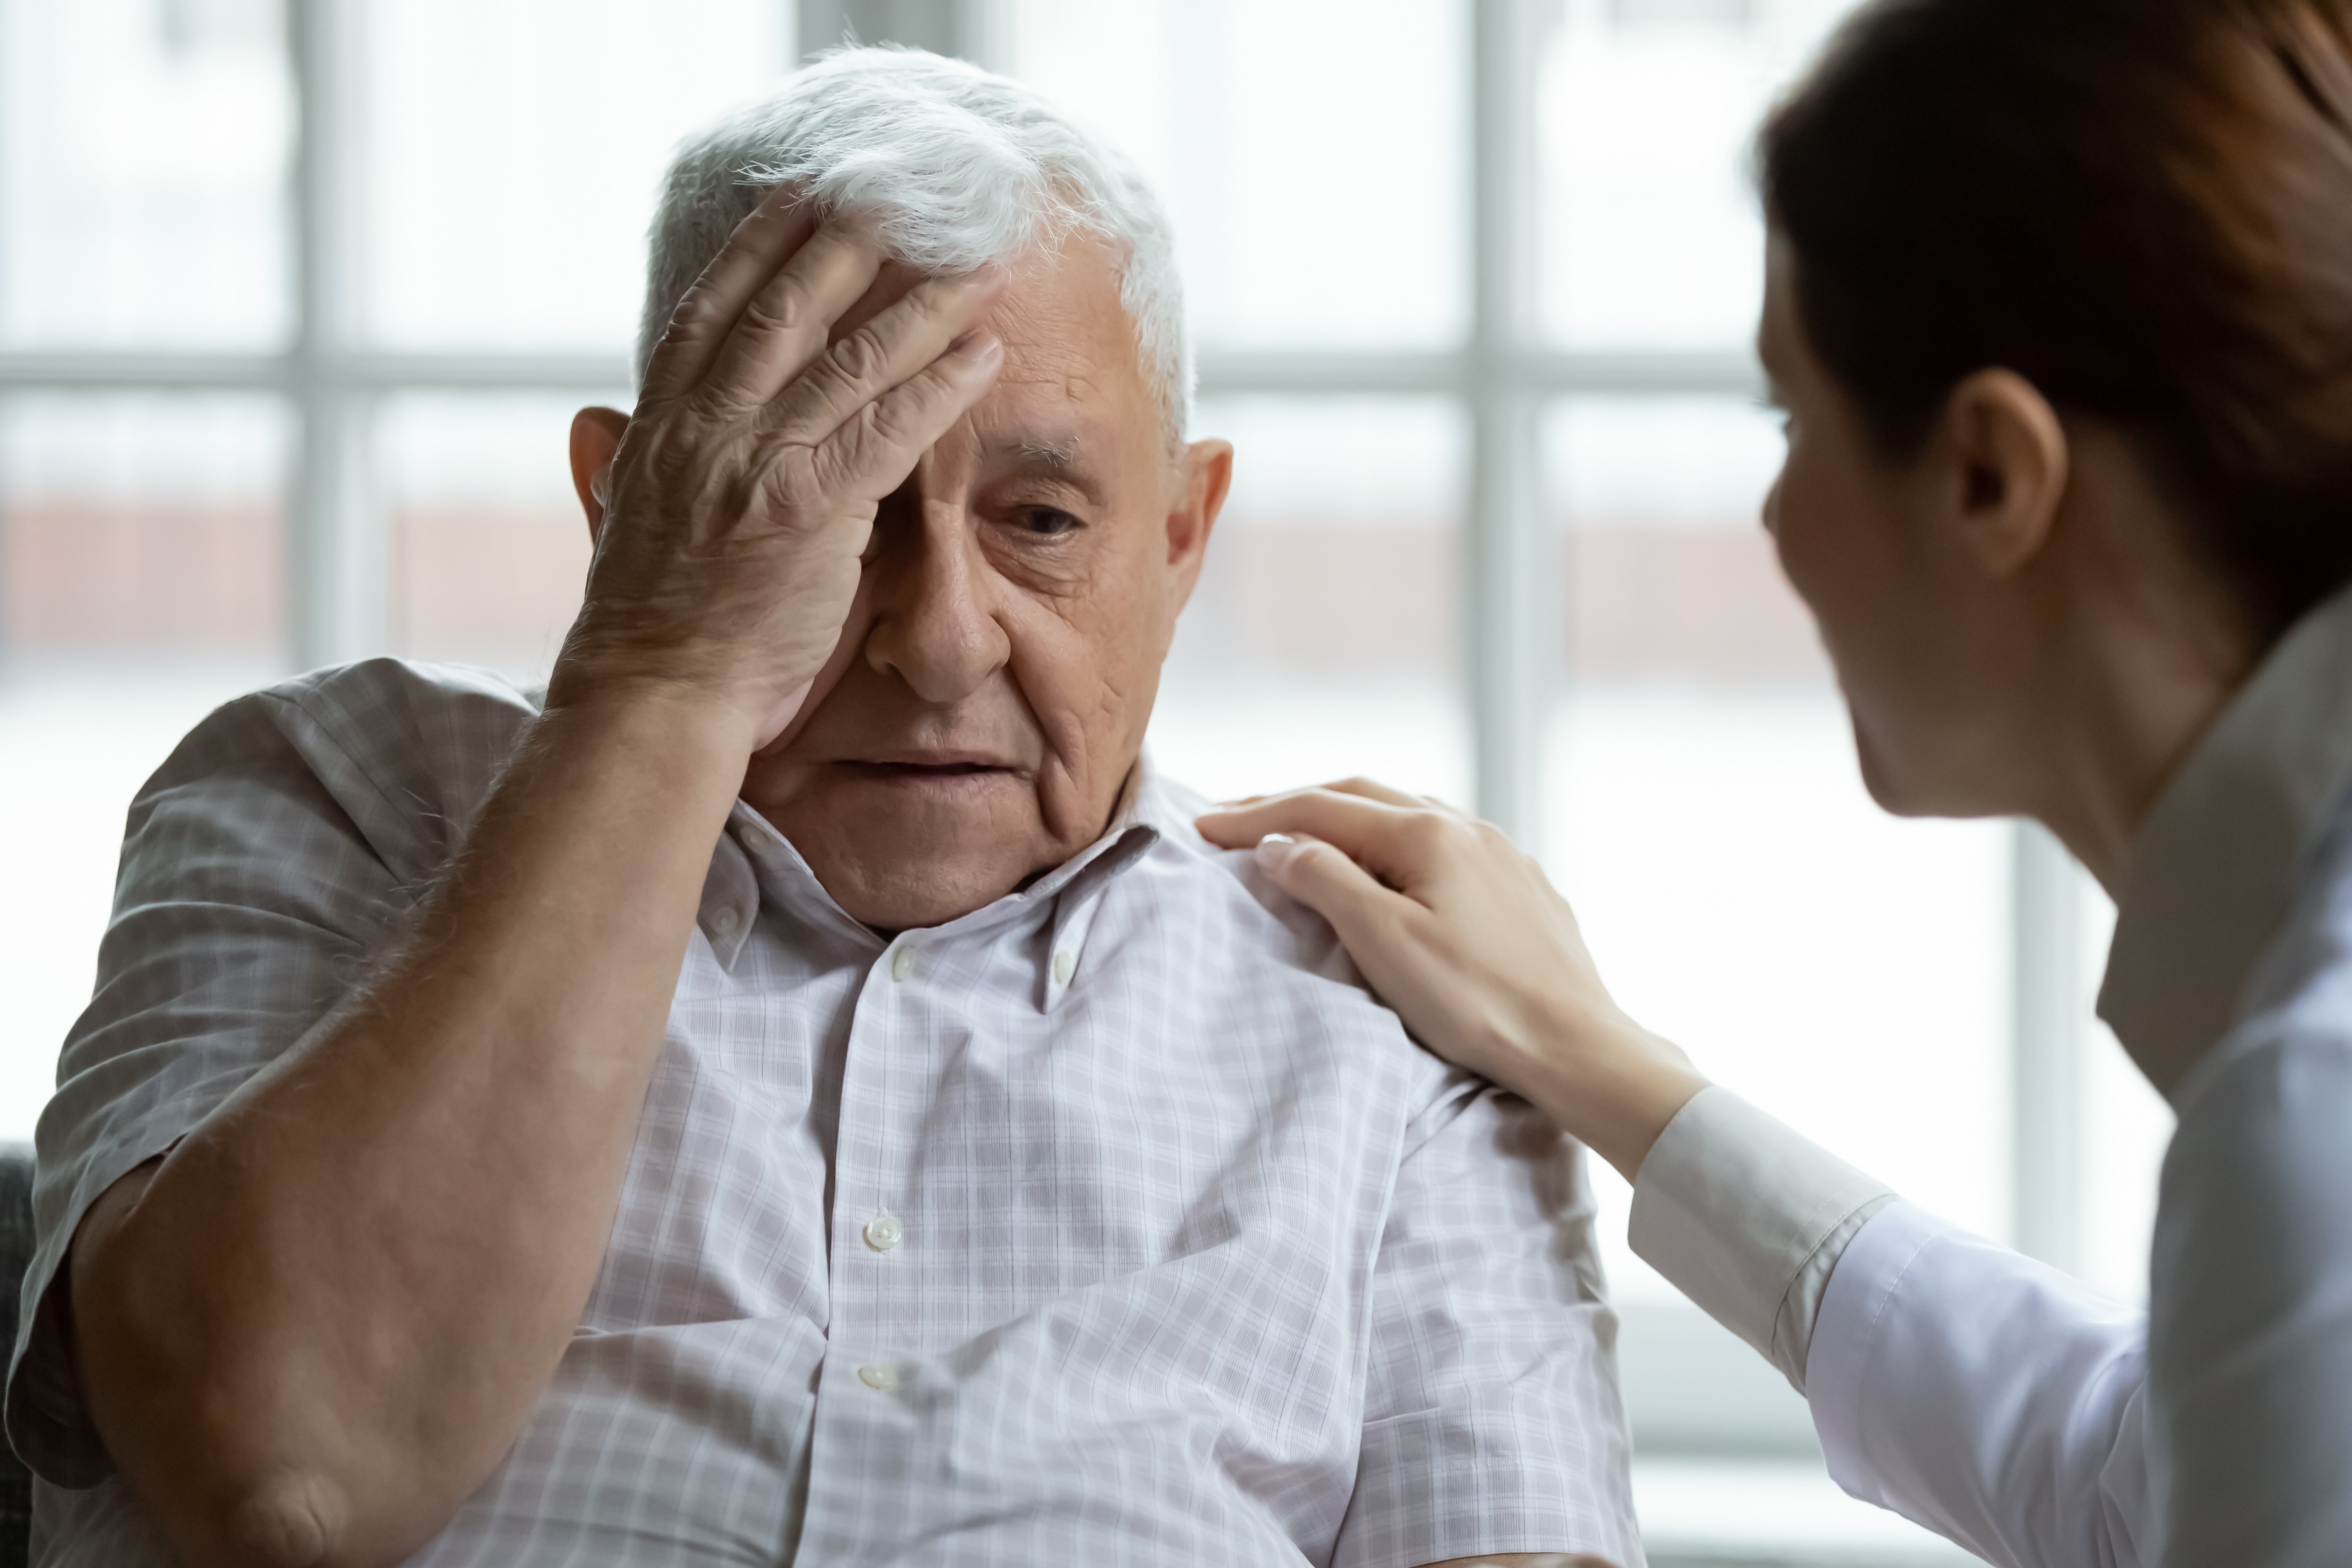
(464, 1161)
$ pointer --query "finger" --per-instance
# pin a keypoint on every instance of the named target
(1367, 916)
(872, 454)
(1372, 789)
(893, 283)
(1258, 800)
(1384, 838)
(788, 323)
(1320, 810)
(775, 229)
(894, 348)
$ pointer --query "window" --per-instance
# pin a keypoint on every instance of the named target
(295, 296)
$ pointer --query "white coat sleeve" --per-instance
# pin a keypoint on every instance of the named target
(1993, 1400)
(2251, 1346)
(1975, 1392)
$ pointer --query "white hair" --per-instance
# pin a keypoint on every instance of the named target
(960, 166)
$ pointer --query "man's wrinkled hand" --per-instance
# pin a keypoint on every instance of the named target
(745, 487)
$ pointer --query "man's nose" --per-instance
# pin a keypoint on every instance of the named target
(932, 626)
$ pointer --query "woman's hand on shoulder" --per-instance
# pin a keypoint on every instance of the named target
(1469, 940)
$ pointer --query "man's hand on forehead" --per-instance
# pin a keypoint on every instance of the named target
(892, 282)
(799, 381)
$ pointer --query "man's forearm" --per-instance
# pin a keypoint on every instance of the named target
(322, 1318)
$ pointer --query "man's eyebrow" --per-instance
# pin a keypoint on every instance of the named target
(1061, 456)
(1044, 452)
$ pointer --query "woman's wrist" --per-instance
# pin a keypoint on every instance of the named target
(1612, 1084)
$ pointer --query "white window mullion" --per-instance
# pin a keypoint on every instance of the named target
(1511, 603)
(2046, 1111)
(337, 552)
(943, 26)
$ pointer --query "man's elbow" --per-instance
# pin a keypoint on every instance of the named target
(236, 1457)
(297, 1518)
(294, 1520)
(234, 1510)
(229, 1487)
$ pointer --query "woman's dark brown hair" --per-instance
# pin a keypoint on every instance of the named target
(2142, 206)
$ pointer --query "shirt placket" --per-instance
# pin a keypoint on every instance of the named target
(884, 1074)
(870, 1478)
(863, 1490)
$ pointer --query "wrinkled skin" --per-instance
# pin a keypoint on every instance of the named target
(987, 698)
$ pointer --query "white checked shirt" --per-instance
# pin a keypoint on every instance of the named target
(1113, 1223)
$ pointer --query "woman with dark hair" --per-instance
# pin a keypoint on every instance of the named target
(2059, 304)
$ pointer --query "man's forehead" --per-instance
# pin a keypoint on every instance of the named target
(1064, 329)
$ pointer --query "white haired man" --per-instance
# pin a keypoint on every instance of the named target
(464, 1161)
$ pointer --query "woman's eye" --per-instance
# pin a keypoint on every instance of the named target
(1045, 522)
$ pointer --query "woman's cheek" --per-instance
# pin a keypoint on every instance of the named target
(1793, 524)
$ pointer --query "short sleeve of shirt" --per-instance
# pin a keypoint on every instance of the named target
(282, 844)
(1492, 1421)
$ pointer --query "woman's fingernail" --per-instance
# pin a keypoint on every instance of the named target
(1273, 849)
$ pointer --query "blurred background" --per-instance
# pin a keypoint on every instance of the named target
(296, 298)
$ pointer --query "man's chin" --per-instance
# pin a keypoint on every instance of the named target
(898, 858)
(910, 893)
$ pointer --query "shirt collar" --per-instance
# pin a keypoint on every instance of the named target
(2212, 875)
(754, 866)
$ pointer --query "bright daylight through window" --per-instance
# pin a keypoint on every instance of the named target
(297, 296)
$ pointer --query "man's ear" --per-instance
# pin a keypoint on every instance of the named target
(595, 436)
(1207, 475)
(2010, 465)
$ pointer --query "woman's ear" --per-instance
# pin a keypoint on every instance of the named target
(2011, 464)
(595, 436)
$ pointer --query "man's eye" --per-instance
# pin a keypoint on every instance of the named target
(1045, 522)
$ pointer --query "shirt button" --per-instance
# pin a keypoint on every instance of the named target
(725, 921)
(1066, 964)
(902, 963)
(880, 1379)
(884, 1232)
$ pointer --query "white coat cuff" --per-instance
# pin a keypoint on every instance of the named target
(1749, 1218)
(1846, 1335)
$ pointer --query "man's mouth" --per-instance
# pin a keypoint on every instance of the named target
(922, 770)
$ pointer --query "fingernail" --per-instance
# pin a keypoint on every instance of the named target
(979, 346)
(1274, 848)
